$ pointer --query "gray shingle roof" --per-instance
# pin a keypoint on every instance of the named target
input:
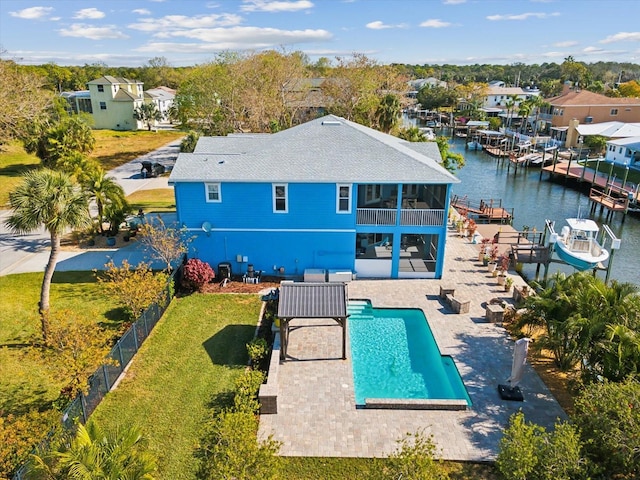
(329, 149)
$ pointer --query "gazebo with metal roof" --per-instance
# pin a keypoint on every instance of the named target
(311, 300)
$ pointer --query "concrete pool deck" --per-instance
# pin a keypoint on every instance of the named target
(317, 415)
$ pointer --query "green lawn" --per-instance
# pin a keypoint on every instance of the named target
(26, 379)
(154, 200)
(188, 363)
(14, 162)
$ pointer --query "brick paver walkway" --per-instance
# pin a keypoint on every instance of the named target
(316, 406)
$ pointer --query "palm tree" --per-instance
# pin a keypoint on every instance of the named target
(388, 112)
(96, 455)
(524, 110)
(51, 200)
(105, 191)
(537, 103)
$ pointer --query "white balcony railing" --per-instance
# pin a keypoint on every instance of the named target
(411, 216)
(430, 217)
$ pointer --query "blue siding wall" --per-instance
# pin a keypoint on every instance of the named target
(295, 251)
(250, 206)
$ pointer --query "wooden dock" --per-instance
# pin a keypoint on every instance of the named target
(605, 192)
(485, 211)
(525, 246)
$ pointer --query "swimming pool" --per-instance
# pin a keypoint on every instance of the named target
(395, 356)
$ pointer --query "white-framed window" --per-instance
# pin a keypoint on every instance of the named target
(101, 88)
(614, 112)
(410, 189)
(212, 191)
(103, 105)
(280, 198)
(343, 198)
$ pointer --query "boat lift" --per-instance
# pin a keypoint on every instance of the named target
(606, 236)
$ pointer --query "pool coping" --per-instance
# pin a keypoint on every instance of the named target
(416, 403)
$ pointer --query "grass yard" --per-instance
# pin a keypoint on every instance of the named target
(14, 162)
(115, 148)
(26, 380)
(112, 150)
(154, 200)
(183, 370)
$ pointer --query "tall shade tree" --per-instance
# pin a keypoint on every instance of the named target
(51, 200)
(356, 86)
(24, 100)
(105, 191)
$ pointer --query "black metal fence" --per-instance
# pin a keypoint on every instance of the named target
(115, 363)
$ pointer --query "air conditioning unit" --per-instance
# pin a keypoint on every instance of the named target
(588, 119)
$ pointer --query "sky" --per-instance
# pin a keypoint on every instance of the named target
(190, 32)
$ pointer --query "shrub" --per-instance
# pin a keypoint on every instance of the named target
(196, 274)
(246, 391)
(415, 458)
(258, 350)
(529, 452)
(231, 449)
(608, 415)
(19, 434)
(136, 289)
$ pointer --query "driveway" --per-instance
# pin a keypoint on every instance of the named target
(30, 253)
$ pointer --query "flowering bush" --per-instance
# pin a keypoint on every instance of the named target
(196, 274)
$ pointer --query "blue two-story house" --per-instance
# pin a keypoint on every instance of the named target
(328, 194)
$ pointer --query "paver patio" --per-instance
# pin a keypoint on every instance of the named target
(317, 415)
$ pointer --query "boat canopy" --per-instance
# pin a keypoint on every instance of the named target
(583, 224)
(491, 133)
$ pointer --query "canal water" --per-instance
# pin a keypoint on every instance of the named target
(484, 177)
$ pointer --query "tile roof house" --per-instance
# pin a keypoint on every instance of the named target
(587, 107)
(326, 195)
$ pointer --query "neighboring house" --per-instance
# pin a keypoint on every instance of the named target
(327, 194)
(113, 101)
(163, 97)
(587, 107)
(625, 151)
(416, 85)
(78, 101)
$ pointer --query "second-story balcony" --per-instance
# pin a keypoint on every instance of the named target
(401, 204)
(411, 216)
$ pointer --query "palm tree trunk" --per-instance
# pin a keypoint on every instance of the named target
(46, 285)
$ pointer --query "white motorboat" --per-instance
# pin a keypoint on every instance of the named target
(474, 144)
(577, 244)
(428, 133)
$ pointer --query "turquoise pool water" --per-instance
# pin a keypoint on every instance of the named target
(395, 356)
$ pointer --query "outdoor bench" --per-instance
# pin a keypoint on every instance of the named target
(456, 305)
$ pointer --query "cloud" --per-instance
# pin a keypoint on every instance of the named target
(622, 37)
(522, 16)
(565, 44)
(141, 11)
(435, 23)
(91, 32)
(240, 38)
(275, 6)
(92, 13)
(454, 2)
(378, 25)
(178, 22)
(32, 13)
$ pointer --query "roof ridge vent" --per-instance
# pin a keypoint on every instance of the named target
(331, 122)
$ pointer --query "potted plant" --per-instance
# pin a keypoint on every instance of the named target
(508, 282)
(493, 258)
(484, 247)
(471, 227)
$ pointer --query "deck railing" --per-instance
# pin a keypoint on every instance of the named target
(410, 216)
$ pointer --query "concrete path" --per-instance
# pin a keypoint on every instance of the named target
(317, 415)
(30, 253)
